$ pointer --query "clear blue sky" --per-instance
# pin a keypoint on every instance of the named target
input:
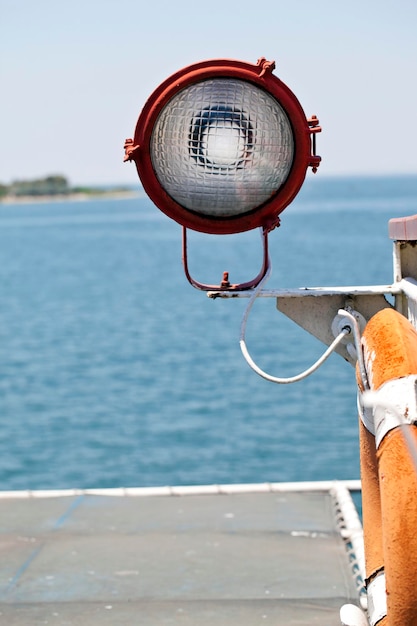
(75, 74)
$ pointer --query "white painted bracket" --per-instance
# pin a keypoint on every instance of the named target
(316, 310)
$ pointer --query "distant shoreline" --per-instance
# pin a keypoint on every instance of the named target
(71, 197)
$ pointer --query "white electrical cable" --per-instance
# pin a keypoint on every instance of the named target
(258, 370)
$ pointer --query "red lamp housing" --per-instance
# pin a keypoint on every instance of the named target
(223, 146)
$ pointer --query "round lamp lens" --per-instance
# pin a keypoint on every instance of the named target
(222, 147)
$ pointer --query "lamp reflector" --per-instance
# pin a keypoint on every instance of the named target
(222, 147)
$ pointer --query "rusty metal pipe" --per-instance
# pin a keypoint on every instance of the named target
(389, 480)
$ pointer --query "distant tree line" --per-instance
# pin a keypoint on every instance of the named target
(48, 186)
(54, 185)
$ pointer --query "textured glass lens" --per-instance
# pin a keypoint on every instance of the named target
(222, 147)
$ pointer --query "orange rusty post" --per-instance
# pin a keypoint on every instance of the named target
(371, 507)
(399, 505)
(389, 481)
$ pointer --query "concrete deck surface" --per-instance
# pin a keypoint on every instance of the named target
(246, 559)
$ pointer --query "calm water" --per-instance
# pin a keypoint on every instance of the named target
(115, 372)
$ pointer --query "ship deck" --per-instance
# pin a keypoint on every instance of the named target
(193, 556)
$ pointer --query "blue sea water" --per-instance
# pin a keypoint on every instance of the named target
(115, 372)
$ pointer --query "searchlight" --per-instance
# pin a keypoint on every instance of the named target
(223, 147)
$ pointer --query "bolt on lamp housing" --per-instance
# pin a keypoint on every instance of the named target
(223, 146)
